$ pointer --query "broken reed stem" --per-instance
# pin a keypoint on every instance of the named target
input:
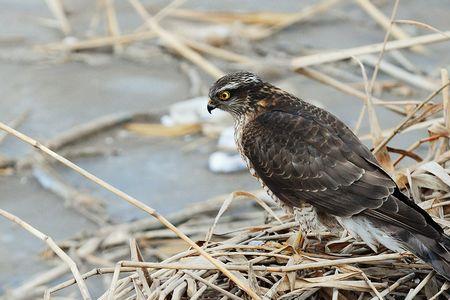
(384, 22)
(58, 251)
(410, 116)
(213, 286)
(133, 201)
(175, 43)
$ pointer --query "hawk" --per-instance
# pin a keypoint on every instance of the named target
(303, 154)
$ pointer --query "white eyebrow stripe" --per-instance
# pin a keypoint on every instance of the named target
(229, 86)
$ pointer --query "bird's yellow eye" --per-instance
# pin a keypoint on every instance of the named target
(225, 95)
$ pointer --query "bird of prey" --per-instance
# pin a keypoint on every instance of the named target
(301, 153)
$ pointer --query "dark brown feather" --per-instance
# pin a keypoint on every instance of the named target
(303, 153)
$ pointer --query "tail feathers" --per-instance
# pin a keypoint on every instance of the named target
(434, 252)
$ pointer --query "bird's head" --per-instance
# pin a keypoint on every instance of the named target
(235, 93)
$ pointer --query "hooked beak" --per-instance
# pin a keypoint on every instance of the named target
(210, 107)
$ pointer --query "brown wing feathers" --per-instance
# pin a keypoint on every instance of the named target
(305, 153)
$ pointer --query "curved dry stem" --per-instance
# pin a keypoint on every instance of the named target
(58, 251)
(133, 201)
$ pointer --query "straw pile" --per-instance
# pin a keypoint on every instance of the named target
(228, 248)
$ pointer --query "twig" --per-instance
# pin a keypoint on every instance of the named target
(421, 285)
(133, 201)
(58, 251)
(395, 285)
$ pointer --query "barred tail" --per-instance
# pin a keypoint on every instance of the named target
(434, 252)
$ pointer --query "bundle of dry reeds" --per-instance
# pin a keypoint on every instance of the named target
(226, 248)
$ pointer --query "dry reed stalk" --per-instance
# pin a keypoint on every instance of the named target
(40, 280)
(133, 201)
(175, 43)
(58, 251)
(420, 24)
(216, 51)
(382, 155)
(446, 109)
(399, 73)
(444, 287)
(97, 125)
(144, 276)
(113, 24)
(421, 285)
(395, 285)
(302, 15)
(272, 269)
(212, 285)
(327, 57)
(93, 272)
(345, 88)
(57, 9)
(385, 22)
(401, 126)
(254, 18)
(98, 42)
(167, 10)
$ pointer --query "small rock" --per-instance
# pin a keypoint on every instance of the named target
(221, 162)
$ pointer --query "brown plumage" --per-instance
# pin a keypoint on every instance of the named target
(302, 153)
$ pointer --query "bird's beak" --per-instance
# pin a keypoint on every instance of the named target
(210, 107)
